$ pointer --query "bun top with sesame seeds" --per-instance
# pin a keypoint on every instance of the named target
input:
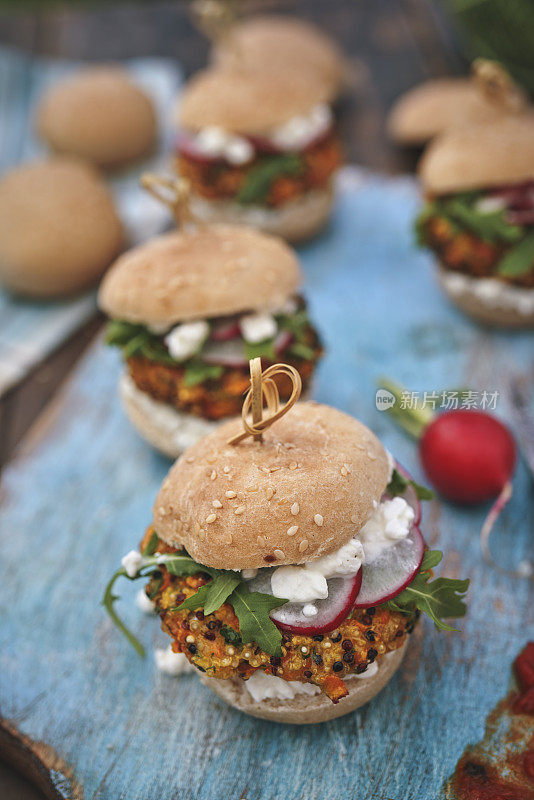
(301, 493)
(205, 271)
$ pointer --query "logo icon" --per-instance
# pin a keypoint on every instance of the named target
(384, 399)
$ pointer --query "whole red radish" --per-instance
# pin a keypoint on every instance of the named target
(468, 455)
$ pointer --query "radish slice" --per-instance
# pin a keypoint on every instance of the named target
(228, 353)
(523, 216)
(225, 330)
(342, 592)
(410, 495)
(391, 571)
(185, 146)
(263, 145)
(282, 341)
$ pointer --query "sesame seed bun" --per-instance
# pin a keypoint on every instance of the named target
(100, 115)
(208, 271)
(480, 156)
(306, 709)
(294, 221)
(286, 44)
(503, 306)
(436, 106)
(59, 228)
(300, 494)
(246, 101)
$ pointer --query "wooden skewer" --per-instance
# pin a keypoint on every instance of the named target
(263, 386)
(172, 192)
(257, 396)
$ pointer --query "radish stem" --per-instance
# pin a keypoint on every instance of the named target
(412, 420)
(494, 512)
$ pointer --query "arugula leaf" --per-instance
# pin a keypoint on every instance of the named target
(176, 563)
(255, 625)
(519, 259)
(182, 564)
(491, 226)
(301, 350)
(440, 598)
(264, 349)
(219, 590)
(212, 595)
(398, 485)
(260, 179)
(108, 600)
(429, 211)
(462, 214)
(158, 584)
(137, 340)
(151, 545)
(194, 602)
(119, 332)
(252, 608)
(197, 371)
(296, 323)
(430, 560)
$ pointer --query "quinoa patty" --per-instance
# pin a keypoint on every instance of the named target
(221, 181)
(212, 643)
(465, 252)
(214, 398)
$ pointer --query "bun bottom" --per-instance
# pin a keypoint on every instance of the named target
(165, 428)
(295, 221)
(489, 300)
(308, 709)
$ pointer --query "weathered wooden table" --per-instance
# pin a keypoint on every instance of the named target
(81, 712)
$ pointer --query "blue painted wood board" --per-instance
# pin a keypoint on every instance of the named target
(80, 494)
(31, 330)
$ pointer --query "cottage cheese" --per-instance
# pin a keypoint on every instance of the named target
(144, 603)
(132, 563)
(299, 584)
(388, 524)
(172, 663)
(490, 291)
(299, 131)
(263, 687)
(186, 340)
(257, 327)
(218, 143)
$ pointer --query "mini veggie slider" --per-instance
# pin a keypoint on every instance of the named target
(441, 104)
(259, 148)
(286, 561)
(270, 43)
(478, 218)
(189, 308)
